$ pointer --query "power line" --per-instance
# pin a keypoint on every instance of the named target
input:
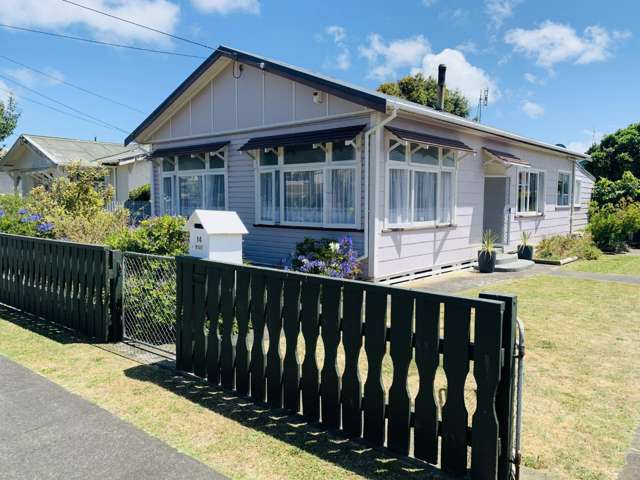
(62, 104)
(77, 87)
(138, 24)
(98, 42)
(55, 109)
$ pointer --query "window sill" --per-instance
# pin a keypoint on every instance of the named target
(529, 215)
(411, 228)
(563, 207)
(301, 227)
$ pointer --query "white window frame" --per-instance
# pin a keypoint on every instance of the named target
(412, 168)
(577, 193)
(539, 211)
(568, 175)
(327, 167)
(222, 153)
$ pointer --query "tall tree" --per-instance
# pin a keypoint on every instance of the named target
(416, 88)
(616, 153)
(8, 118)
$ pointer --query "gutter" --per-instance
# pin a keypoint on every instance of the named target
(367, 153)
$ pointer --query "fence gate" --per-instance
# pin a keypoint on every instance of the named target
(149, 302)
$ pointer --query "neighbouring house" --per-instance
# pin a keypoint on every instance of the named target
(6, 182)
(298, 155)
(127, 170)
(35, 160)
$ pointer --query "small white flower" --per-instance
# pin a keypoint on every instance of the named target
(334, 246)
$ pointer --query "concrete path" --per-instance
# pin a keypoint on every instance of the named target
(631, 470)
(47, 432)
(600, 277)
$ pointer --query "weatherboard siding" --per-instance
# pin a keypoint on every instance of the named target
(257, 99)
(270, 245)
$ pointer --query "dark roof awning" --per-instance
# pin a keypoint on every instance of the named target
(419, 137)
(507, 158)
(203, 147)
(315, 136)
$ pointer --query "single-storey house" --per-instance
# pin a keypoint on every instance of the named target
(298, 155)
(36, 159)
(127, 170)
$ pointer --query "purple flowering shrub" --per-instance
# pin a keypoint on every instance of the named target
(18, 220)
(326, 256)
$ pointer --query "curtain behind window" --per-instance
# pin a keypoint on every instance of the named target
(425, 196)
(343, 205)
(214, 191)
(190, 189)
(303, 196)
(398, 188)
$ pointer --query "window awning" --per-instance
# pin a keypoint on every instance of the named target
(316, 136)
(419, 137)
(203, 147)
(507, 158)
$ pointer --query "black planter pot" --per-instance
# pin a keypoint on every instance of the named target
(486, 261)
(525, 252)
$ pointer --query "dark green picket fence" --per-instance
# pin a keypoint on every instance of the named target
(221, 308)
(67, 283)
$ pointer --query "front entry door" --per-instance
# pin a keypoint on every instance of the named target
(496, 207)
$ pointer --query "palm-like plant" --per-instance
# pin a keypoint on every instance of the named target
(524, 238)
(489, 239)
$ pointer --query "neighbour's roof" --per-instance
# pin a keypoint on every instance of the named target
(363, 96)
(133, 153)
(62, 151)
(316, 136)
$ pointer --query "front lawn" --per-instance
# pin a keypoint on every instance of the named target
(617, 264)
(581, 392)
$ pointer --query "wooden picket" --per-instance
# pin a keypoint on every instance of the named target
(60, 281)
(252, 314)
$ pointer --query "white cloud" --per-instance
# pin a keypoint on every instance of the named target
(533, 79)
(385, 59)
(159, 14)
(467, 47)
(532, 109)
(227, 6)
(342, 60)
(582, 145)
(337, 32)
(429, 3)
(499, 10)
(553, 43)
(5, 92)
(32, 79)
(461, 75)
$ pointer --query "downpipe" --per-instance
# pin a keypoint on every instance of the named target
(520, 352)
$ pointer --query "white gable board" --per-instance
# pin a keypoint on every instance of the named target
(254, 100)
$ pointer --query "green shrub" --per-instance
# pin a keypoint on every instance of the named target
(612, 192)
(558, 247)
(164, 235)
(141, 193)
(612, 226)
(17, 218)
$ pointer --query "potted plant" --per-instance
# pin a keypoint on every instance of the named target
(525, 251)
(487, 253)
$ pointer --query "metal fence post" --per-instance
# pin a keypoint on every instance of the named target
(506, 390)
(114, 283)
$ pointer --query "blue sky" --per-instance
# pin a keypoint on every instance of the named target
(557, 70)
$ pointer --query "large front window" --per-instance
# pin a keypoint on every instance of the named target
(308, 185)
(421, 185)
(530, 192)
(194, 180)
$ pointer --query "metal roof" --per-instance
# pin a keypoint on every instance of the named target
(419, 137)
(363, 96)
(203, 147)
(133, 153)
(508, 158)
(62, 151)
(315, 136)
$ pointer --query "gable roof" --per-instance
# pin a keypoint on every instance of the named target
(363, 96)
(62, 151)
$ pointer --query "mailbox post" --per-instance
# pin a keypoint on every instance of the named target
(216, 235)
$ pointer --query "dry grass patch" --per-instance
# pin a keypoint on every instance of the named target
(582, 373)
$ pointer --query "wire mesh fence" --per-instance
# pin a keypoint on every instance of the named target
(149, 302)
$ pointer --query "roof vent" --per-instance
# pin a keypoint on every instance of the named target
(442, 74)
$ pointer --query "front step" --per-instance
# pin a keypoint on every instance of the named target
(514, 265)
(502, 258)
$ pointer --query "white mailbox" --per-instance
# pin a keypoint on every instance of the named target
(216, 235)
